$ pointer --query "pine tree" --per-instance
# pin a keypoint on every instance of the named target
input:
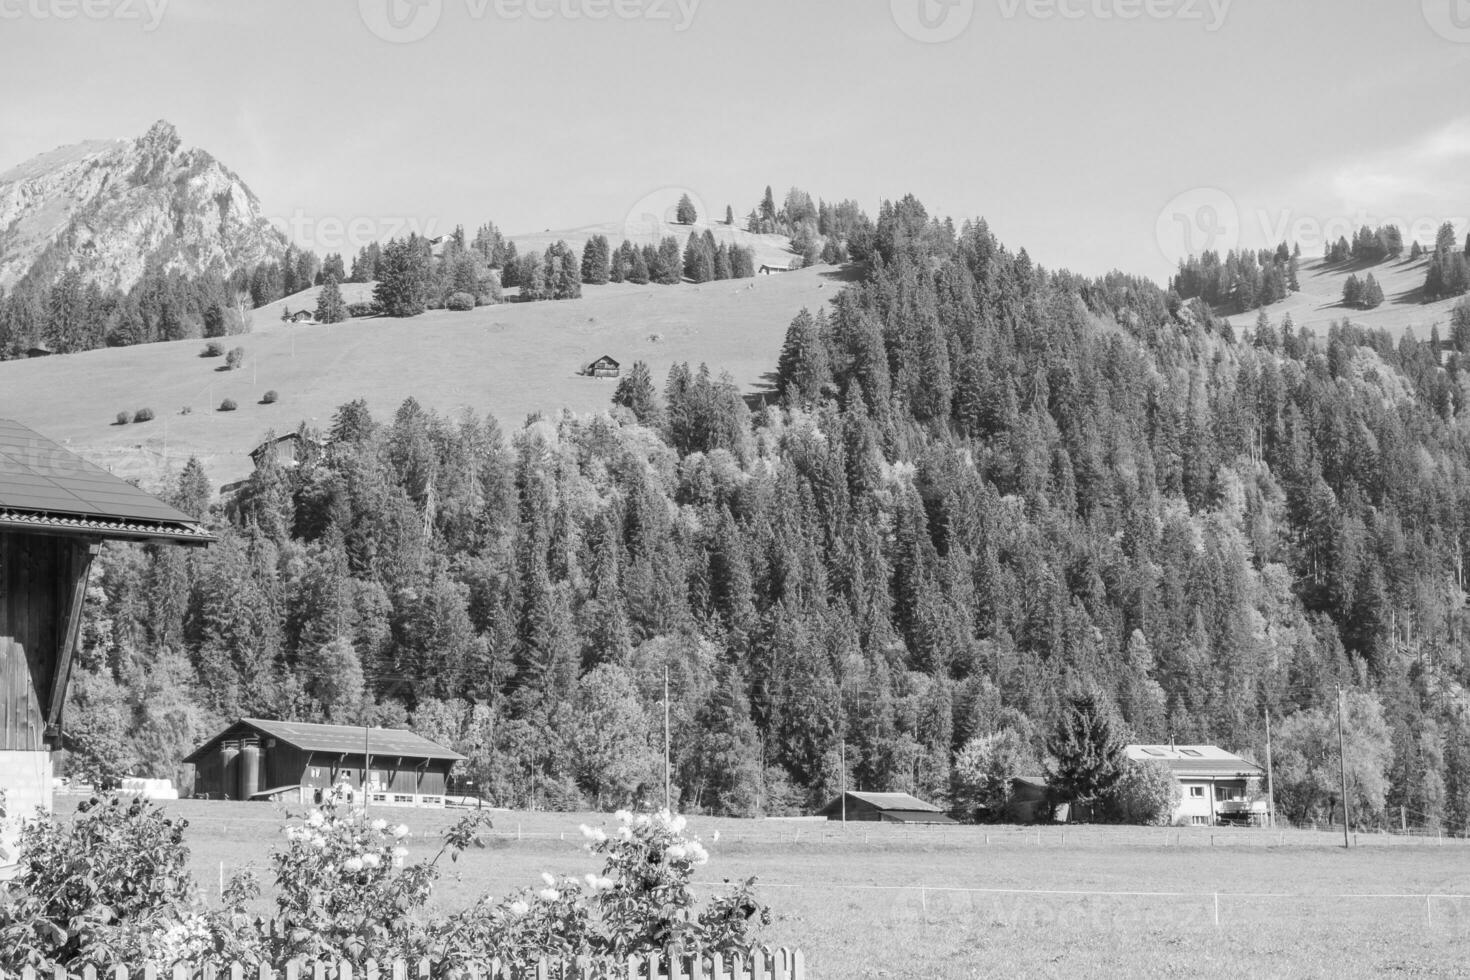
(403, 278)
(684, 212)
(636, 393)
(1352, 291)
(638, 268)
(729, 216)
(596, 269)
(1372, 296)
(669, 262)
(329, 305)
(1086, 749)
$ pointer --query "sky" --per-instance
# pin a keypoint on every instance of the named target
(1097, 134)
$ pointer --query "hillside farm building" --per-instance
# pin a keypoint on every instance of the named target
(56, 510)
(603, 367)
(883, 808)
(300, 762)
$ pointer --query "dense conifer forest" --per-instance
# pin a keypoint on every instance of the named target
(977, 488)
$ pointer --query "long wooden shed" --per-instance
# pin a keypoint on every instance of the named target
(883, 808)
(296, 761)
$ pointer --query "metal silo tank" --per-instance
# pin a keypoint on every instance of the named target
(229, 769)
(249, 770)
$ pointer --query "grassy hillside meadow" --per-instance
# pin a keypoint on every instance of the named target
(868, 900)
(1319, 302)
(505, 361)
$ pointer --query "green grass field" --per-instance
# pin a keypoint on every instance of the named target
(505, 361)
(870, 900)
(1319, 303)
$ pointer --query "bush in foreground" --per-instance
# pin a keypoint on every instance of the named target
(228, 405)
(123, 418)
(270, 397)
(460, 303)
(112, 888)
(213, 349)
(143, 415)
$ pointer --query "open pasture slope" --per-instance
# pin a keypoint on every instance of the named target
(1319, 303)
(870, 900)
(505, 361)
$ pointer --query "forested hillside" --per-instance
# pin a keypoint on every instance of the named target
(985, 485)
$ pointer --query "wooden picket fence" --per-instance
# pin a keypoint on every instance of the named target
(760, 963)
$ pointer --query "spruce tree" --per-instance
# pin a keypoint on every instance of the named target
(595, 261)
(329, 305)
(1086, 749)
(729, 216)
(684, 212)
(638, 268)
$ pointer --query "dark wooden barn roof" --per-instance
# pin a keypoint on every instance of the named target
(45, 488)
(333, 739)
(894, 806)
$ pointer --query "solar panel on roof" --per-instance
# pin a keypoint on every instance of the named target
(39, 476)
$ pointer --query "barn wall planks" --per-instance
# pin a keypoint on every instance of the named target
(33, 589)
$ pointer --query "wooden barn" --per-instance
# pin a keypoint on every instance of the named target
(56, 510)
(883, 808)
(302, 762)
(603, 367)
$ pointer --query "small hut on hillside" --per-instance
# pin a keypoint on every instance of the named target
(603, 367)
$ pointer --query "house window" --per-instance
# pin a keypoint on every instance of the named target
(1222, 793)
(1199, 821)
(1197, 792)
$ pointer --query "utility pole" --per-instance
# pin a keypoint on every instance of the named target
(667, 798)
(1270, 783)
(367, 763)
(1342, 766)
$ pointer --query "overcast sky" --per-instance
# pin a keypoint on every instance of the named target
(1096, 133)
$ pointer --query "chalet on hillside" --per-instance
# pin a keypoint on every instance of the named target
(603, 367)
(300, 762)
(883, 808)
(39, 351)
(288, 450)
(56, 511)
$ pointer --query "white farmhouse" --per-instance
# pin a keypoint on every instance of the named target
(1218, 785)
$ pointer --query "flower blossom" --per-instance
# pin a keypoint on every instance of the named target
(315, 818)
(677, 853)
(371, 860)
(400, 831)
(518, 908)
(549, 894)
(400, 853)
(546, 877)
(380, 824)
(352, 865)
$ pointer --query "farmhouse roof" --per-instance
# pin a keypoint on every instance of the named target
(1195, 760)
(45, 488)
(333, 739)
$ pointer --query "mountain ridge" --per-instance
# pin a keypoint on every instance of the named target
(108, 209)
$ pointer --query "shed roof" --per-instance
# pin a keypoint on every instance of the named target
(1195, 760)
(335, 739)
(46, 488)
(897, 802)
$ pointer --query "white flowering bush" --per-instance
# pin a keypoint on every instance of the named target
(342, 890)
(643, 900)
(112, 888)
